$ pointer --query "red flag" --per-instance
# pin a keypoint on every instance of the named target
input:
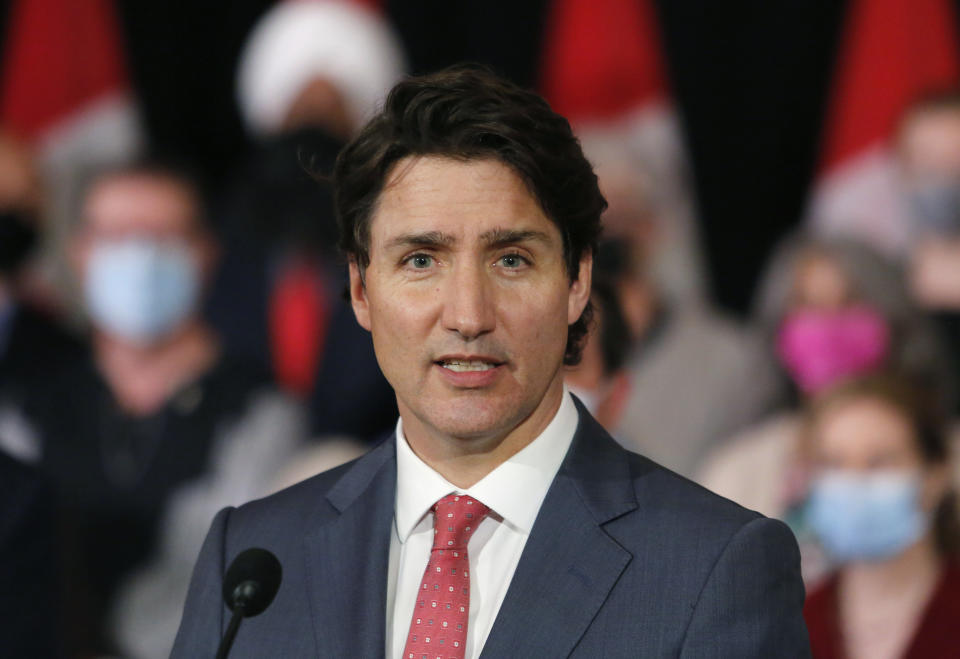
(61, 55)
(601, 58)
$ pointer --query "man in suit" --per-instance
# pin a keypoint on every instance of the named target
(500, 519)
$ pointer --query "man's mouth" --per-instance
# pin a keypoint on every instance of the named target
(464, 366)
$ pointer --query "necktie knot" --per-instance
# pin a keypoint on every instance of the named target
(455, 518)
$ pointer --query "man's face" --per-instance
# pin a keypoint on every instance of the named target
(468, 299)
(141, 257)
(141, 207)
(929, 147)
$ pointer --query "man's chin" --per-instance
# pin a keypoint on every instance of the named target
(466, 428)
(470, 418)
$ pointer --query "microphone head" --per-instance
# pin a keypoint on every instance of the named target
(252, 581)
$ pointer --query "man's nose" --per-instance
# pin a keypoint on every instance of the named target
(468, 306)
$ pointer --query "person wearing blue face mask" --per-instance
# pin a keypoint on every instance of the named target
(159, 427)
(882, 504)
(830, 310)
(928, 150)
(141, 289)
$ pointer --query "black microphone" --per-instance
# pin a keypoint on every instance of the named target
(251, 583)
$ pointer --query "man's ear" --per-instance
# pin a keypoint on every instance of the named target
(580, 288)
(358, 296)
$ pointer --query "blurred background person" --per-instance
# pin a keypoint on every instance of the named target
(602, 67)
(599, 380)
(33, 343)
(310, 73)
(830, 309)
(320, 63)
(28, 563)
(66, 93)
(883, 506)
(928, 151)
(891, 52)
(160, 427)
(694, 376)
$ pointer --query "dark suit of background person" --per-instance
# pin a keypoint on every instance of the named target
(626, 559)
(27, 563)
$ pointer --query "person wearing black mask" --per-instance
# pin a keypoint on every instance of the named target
(308, 77)
(279, 235)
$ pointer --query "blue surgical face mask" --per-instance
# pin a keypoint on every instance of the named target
(870, 516)
(141, 290)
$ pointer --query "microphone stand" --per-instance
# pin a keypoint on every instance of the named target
(232, 629)
(242, 594)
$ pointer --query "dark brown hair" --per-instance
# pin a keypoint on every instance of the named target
(162, 168)
(467, 113)
(922, 411)
(933, 100)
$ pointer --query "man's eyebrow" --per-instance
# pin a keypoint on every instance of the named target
(500, 237)
(425, 239)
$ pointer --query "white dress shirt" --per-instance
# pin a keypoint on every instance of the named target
(513, 491)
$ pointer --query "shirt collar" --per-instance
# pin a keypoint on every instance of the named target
(514, 490)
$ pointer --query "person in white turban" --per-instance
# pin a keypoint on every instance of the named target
(325, 63)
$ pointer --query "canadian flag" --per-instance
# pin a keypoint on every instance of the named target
(64, 90)
(603, 69)
(892, 52)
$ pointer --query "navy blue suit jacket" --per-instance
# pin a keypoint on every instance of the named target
(626, 559)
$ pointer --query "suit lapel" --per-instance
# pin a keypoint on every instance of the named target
(347, 558)
(569, 564)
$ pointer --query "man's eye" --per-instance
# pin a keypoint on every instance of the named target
(420, 261)
(512, 261)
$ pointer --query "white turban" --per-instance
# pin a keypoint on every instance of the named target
(300, 40)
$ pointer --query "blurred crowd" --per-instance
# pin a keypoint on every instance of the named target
(167, 350)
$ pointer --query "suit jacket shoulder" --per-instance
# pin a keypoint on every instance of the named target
(331, 534)
(629, 559)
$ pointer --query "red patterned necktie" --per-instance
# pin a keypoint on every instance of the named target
(438, 629)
